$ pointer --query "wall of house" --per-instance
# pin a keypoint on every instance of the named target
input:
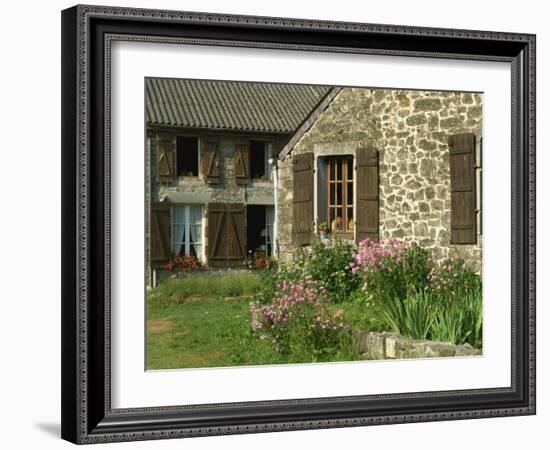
(195, 190)
(410, 129)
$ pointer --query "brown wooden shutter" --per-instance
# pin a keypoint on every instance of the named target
(210, 160)
(242, 162)
(159, 242)
(236, 250)
(302, 223)
(166, 158)
(226, 240)
(367, 179)
(463, 188)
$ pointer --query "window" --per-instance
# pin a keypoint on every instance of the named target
(259, 228)
(339, 193)
(187, 156)
(187, 230)
(260, 154)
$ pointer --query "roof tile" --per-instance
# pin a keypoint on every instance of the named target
(230, 105)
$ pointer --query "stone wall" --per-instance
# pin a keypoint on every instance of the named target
(410, 129)
(196, 190)
(372, 345)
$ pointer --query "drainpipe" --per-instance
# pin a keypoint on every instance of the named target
(275, 176)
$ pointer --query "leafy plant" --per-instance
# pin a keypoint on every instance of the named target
(449, 326)
(183, 263)
(258, 260)
(411, 317)
(329, 264)
(299, 325)
(391, 268)
(451, 278)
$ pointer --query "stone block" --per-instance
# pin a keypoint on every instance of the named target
(427, 104)
(416, 119)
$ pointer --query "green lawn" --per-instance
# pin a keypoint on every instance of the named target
(198, 320)
(201, 320)
(194, 333)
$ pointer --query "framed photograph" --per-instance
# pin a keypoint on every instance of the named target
(280, 224)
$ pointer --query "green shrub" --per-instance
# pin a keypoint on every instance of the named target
(300, 326)
(449, 325)
(451, 278)
(329, 263)
(472, 305)
(412, 316)
(460, 320)
(391, 269)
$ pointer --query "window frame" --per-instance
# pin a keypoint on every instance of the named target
(347, 160)
(198, 138)
(267, 155)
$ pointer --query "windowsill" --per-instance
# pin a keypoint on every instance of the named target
(261, 182)
(190, 179)
(341, 234)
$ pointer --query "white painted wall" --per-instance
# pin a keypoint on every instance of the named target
(30, 225)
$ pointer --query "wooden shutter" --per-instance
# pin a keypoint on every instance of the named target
(236, 251)
(210, 160)
(367, 179)
(226, 240)
(166, 158)
(159, 241)
(302, 223)
(463, 188)
(216, 226)
(242, 162)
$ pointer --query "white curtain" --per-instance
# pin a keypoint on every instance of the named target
(195, 231)
(187, 230)
(178, 230)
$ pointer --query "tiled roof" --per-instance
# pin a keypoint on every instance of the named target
(230, 105)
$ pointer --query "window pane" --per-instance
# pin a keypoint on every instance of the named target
(350, 168)
(178, 214)
(332, 188)
(338, 169)
(350, 218)
(339, 194)
(339, 219)
(178, 239)
(350, 194)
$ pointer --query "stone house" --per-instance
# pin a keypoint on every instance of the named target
(211, 152)
(386, 163)
(237, 167)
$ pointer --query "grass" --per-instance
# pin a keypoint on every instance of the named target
(194, 333)
(201, 320)
(196, 321)
(206, 285)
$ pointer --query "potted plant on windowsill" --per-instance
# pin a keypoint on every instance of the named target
(323, 231)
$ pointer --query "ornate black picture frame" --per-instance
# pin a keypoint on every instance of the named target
(87, 34)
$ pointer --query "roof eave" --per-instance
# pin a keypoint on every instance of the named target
(309, 121)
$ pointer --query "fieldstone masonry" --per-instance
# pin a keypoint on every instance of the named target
(410, 129)
(371, 345)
